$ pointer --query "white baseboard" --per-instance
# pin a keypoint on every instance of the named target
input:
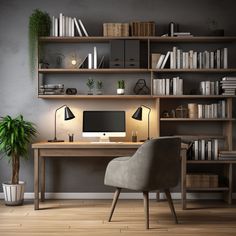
(122, 196)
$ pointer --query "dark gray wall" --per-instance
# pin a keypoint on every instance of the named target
(18, 90)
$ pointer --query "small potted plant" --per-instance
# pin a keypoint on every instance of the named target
(99, 86)
(90, 83)
(15, 136)
(121, 87)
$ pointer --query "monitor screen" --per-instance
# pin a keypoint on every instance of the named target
(104, 121)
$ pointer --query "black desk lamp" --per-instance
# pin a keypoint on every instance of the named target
(68, 116)
(138, 116)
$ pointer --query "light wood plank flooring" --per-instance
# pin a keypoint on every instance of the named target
(89, 217)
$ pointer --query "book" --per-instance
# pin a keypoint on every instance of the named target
(77, 27)
(56, 27)
(61, 25)
(215, 149)
(203, 150)
(90, 61)
(83, 28)
(196, 150)
(209, 150)
(159, 63)
(101, 63)
(165, 59)
(95, 57)
(155, 58)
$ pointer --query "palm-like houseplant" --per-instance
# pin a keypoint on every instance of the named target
(15, 136)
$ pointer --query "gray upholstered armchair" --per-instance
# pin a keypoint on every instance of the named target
(154, 166)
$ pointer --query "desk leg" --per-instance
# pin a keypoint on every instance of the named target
(36, 179)
(42, 179)
(183, 177)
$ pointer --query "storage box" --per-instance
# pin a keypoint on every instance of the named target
(116, 29)
(201, 181)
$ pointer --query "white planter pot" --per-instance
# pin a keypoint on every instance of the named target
(120, 91)
(14, 193)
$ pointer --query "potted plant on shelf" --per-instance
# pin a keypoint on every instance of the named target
(99, 87)
(121, 87)
(90, 83)
(15, 136)
(39, 25)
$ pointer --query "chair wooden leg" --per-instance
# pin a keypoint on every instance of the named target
(146, 208)
(171, 205)
(115, 198)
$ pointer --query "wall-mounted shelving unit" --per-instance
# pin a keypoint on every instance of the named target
(166, 126)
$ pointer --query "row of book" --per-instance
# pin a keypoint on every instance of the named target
(203, 149)
(210, 88)
(178, 59)
(143, 28)
(228, 85)
(212, 111)
(65, 26)
(173, 86)
(227, 155)
(116, 29)
(51, 89)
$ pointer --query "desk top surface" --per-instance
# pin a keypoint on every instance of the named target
(86, 145)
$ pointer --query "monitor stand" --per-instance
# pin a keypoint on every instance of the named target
(104, 139)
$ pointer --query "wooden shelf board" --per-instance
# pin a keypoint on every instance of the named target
(230, 70)
(192, 96)
(95, 96)
(211, 162)
(98, 39)
(188, 119)
(208, 189)
(75, 71)
(195, 39)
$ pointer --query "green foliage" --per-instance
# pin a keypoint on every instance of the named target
(90, 83)
(99, 84)
(39, 25)
(121, 84)
(15, 135)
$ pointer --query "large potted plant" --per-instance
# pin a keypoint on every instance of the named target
(15, 136)
(39, 25)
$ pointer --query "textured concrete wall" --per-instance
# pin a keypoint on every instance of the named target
(18, 91)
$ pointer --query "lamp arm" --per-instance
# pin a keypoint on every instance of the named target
(148, 120)
(55, 121)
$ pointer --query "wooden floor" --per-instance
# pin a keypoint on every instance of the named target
(89, 217)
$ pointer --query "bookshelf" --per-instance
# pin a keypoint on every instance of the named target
(197, 128)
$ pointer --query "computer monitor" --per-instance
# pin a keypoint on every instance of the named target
(104, 124)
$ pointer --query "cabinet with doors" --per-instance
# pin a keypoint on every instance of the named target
(140, 67)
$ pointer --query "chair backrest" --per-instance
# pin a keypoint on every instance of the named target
(156, 163)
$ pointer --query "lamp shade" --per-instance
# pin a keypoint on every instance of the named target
(68, 114)
(138, 114)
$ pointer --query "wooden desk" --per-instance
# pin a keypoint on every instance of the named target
(44, 150)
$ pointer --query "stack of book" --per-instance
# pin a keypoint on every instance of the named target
(210, 88)
(212, 111)
(51, 89)
(173, 86)
(227, 155)
(116, 29)
(178, 59)
(228, 85)
(64, 26)
(203, 149)
(143, 28)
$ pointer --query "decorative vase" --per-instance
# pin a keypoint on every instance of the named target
(120, 91)
(14, 193)
(90, 92)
